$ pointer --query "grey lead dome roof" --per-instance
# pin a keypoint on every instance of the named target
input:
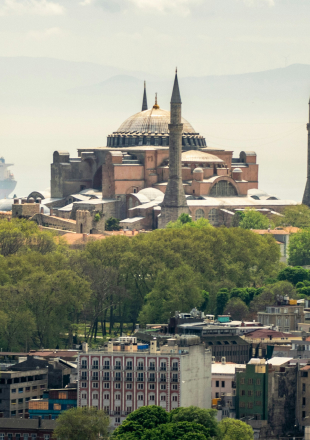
(154, 120)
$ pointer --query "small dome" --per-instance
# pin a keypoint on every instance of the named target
(237, 170)
(198, 170)
(6, 205)
(151, 193)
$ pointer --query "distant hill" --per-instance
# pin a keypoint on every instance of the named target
(48, 104)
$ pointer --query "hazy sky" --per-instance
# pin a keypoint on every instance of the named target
(200, 36)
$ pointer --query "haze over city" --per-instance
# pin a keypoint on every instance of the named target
(71, 72)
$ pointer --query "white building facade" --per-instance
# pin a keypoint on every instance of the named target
(123, 378)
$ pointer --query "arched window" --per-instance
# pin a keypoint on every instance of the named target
(213, 216)
(223, 188)
(199, 214)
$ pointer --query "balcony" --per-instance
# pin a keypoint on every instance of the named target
(163, 368)
(106, 378)
(162, 379)
(117, 367)
(175, 379)
(128, 379)
(141, 368)
(83, 377)
(140, 379)
(151, 379)
(174, 369)
(117, 379)
(151, 368)
(83, 367)
(95, 367)
(128, 367)
(95, 378)
(106, 367)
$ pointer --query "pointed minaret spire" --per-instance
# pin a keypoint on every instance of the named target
(174, 203)
(176, 97)
(144, 102)
(306, 197)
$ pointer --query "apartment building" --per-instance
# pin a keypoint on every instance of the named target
(285, 317)
(303, 397)
(17, 388)
(123, 377)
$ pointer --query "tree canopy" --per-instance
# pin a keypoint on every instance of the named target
(82, 424)
(232, 429)
(299, 248)
(298, 216)
(252, 219)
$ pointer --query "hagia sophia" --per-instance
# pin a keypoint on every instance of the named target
(154, 167)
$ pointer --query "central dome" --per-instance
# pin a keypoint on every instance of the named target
(154, 120)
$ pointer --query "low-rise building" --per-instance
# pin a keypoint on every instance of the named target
(26, 429)
(53, 403)
(123, 377)
(285, 317)
(17, 388)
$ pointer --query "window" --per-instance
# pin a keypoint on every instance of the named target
(46, 437)
(304, 387)
(140, 386)
(84, 396)
(140, 377)
(26, 436)
(199, 214)
(257, 381)
(106, 409)
(129, 386)
(174, 387)
(152, 366)
(106, 365)
(242, 392)
(117, 420)
(129, 397)
(140, 396)
(303, 401)
(84, 363)
(217, 384)
(20, 400)
(117, 376)
(213, 216)
(57, 407)
(117, 397)
(250, 393)
(95, 375)
(223, 383)
(95, 385)
(174, 398)
(175, 366)
(106, 385)
(20, 390)
(34, 387)
(106, 375)
(27, 399)
(62, 395)
(84, 385)
(303, 414)
(10, 436)
(129, 365)
(13, 413)
(250, 381)
(106, 396)
(1, 436)
(95, 365)
(13, 402)
(163, 366)
(151, 397)
(217, 395)
(162, 386)
(13, 390)
(163, 398)
(152, 386)
(117, 365)
(117, 386)
(222, 189)
(33, 436)
(250, 404)
(84, 375)
(242, 405)
(175, 377)
(95, 396)
(242, 381)
(140, 365)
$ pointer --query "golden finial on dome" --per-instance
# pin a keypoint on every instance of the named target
(156, 105)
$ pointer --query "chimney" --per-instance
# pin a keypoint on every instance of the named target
(153, 347)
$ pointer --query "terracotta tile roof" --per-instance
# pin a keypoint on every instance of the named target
(307, 367)
(285, 231)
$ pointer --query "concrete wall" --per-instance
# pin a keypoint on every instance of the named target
(196, 377)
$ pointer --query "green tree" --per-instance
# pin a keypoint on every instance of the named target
(269, 295)
(146, 417)
(204, 305)
(237, 309)
(205, 417)
(298, 216)
(299, 248)
(174, 290)
(222, 298)
(185, 221)
(254, 220)
(82, 424)
(177, 431)
(232, 429)
(112, 224)
(293, 274)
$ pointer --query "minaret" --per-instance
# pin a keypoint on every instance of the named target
(174, 203)
(306, 197)
(144, 102)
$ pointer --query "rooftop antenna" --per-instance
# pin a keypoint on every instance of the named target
(156, 105)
